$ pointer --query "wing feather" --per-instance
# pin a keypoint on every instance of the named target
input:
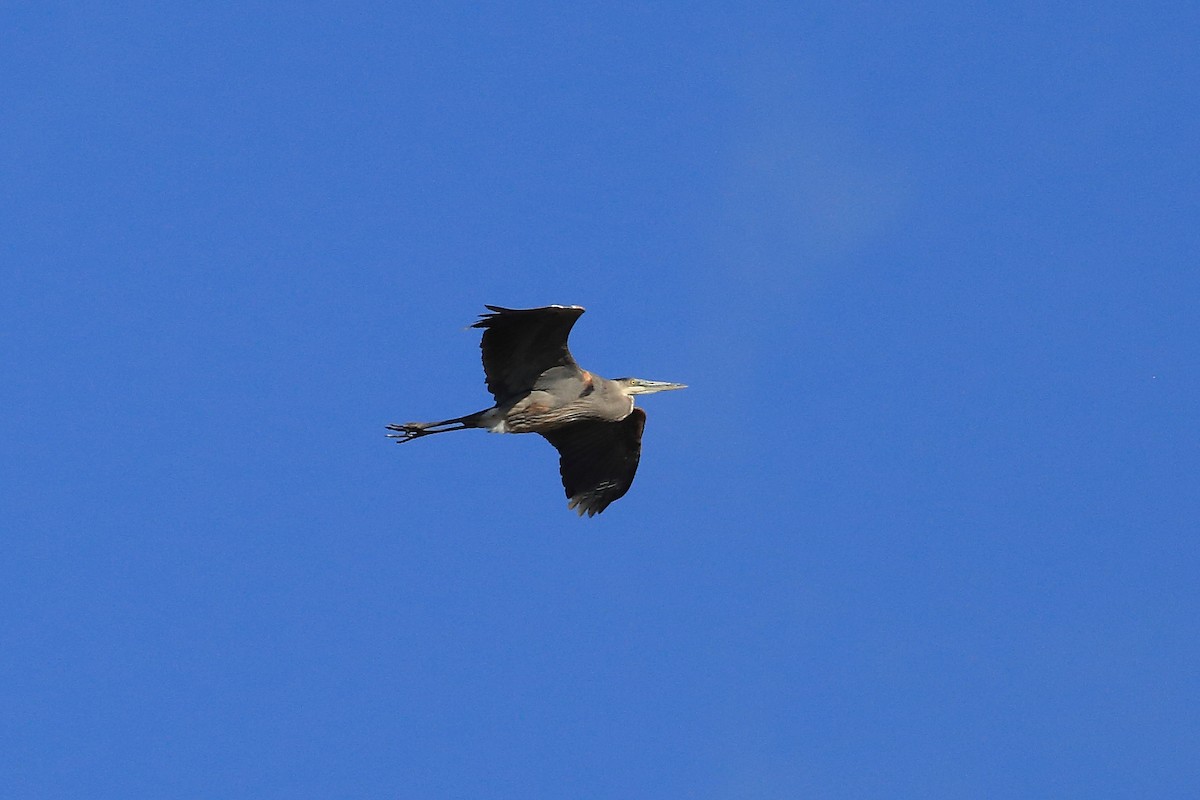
(598, 459)
(519, 344)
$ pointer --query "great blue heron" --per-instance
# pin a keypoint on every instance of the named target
(539, 388)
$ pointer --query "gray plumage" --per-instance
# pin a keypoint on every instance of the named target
(539, 388)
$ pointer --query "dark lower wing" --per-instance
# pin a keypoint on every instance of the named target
(598, 460)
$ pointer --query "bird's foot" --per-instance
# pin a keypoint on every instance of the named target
(407, 432)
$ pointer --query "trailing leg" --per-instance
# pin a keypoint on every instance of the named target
(408, 431)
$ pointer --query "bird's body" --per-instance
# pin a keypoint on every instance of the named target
(539, 388)
(554, 402)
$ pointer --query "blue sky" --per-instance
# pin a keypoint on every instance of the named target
(923, 526)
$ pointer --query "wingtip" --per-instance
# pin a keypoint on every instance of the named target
(507, 310)
(583, 504)
(495, 312)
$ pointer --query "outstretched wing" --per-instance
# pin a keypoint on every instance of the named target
(520, 344)
(598, 460)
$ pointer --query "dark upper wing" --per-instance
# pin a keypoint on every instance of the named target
(598, 459)
(520, 344)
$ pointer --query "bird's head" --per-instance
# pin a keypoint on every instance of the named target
(641, 386)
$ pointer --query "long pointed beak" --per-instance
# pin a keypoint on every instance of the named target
(650, 387)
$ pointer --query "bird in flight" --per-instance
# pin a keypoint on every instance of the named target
(539, 388)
